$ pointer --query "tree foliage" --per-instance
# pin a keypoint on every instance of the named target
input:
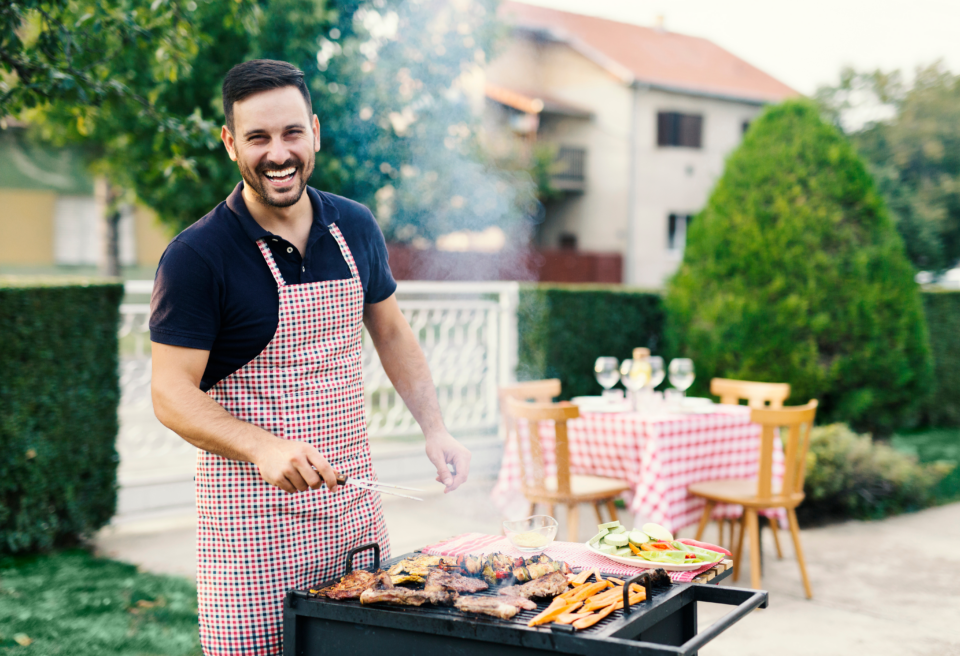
(910, 135)
(794, 272)
(388, 80)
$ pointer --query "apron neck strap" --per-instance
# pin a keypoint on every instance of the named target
(344, 250)
(268, 256)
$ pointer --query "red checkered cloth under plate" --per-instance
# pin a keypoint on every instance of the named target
(659, 456)
(573, 553)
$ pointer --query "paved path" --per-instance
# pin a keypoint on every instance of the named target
(862, 604)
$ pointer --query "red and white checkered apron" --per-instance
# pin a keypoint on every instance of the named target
(256, 541)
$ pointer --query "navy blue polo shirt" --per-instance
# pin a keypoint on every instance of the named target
(214, 291)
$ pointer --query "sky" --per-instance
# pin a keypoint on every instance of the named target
(803, 43)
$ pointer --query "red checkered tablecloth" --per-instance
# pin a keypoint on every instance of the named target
(659, 456)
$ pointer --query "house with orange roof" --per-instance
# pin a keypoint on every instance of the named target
(642, 120)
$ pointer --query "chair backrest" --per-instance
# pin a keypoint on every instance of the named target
(541, 391)
(797, 420)
(534, 413)
(756, 394)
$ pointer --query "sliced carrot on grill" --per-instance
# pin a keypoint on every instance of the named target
(635, 598)
(551, 613)
(581, 578)
(603, 599)
(587, 622)
(570, 618)
(613, 580)
(585, 591)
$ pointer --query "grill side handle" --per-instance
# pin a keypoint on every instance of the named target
(363, 547)
(642, 578)
(744, 601)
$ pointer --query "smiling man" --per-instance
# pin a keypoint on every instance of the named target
(256, 325)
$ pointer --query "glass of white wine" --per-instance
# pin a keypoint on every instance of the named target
(682, 373)
(607, 371)
(657, 371)
(635, 375)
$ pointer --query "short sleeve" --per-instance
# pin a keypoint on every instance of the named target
(381, 284)
(185, 307)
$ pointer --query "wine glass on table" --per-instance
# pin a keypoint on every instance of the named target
(635, 375)
(607, 371)
(682, 374)
(657, 372)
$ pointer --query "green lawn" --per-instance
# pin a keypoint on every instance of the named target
(73, 604)
(932, 445)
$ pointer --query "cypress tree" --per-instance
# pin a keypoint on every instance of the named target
(794, 272)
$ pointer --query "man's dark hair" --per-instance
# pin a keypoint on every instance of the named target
(258, 75)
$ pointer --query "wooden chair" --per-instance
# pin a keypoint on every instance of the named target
(541, 391)
(571, 490)
(762, 493)
(757, 395)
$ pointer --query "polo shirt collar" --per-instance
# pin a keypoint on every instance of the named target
(324, 214)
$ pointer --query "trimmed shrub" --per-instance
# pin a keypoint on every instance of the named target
(794, 272)
(563, 329)
(942, 310)
(851, 476)
(59, 391)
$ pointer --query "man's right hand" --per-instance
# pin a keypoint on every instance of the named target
(293, 466)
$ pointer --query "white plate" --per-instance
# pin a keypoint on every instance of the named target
(670, 567)
(600, 404)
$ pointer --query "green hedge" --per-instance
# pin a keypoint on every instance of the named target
(943, 323)
(850, 476)
(564, 328)
(59, 391)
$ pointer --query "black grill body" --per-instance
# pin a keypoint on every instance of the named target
(665, 624)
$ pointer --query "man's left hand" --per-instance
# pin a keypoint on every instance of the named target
(443, 450)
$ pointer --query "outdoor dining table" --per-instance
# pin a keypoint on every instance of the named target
(659, 455)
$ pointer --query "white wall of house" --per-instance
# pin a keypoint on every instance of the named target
(669, 180)
(676, 180)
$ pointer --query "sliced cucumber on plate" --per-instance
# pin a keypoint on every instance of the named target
(616, 539)
(599, 536)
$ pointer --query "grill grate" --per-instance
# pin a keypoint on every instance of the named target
(520, 619)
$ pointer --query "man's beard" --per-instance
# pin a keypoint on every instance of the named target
(254, 180)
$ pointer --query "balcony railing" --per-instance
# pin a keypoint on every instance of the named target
(570, 169)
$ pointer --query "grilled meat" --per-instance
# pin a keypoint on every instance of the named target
(487, 606)
(519, 602)
(438, 580)
(406, 597)
(532, 570)
(406, 578)
(546, 586)
(353, 584)
(421, 565)
(659, 577)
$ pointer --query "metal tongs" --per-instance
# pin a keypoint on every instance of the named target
(343, 479)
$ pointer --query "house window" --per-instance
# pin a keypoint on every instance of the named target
(568, 241)
(677, 225)
(676, 129)
(744, 127)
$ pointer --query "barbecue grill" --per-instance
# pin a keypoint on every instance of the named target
(663, 625)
